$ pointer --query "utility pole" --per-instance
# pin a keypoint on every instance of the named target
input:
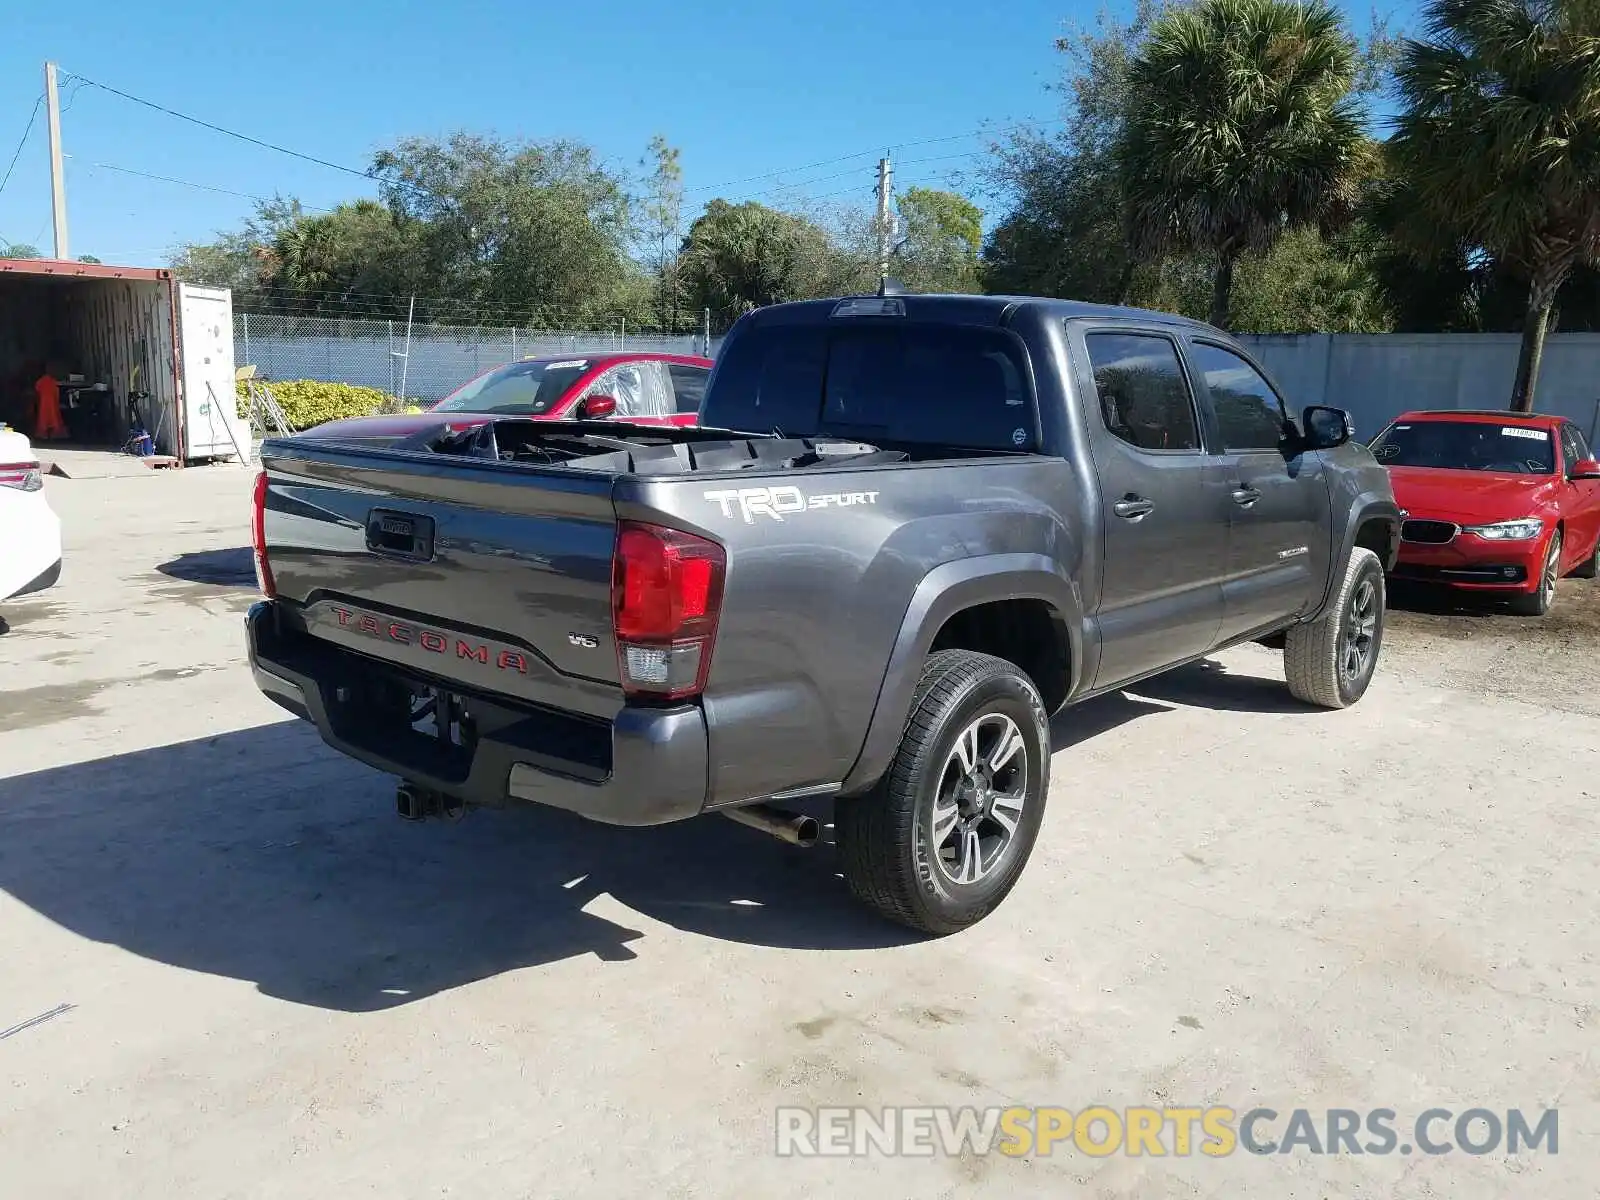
(58, 186)
(885, 230)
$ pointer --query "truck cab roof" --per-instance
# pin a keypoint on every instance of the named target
(958, 309)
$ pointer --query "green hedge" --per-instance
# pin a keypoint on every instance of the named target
(308, 402)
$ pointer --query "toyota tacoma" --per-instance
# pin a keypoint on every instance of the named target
(909, 531)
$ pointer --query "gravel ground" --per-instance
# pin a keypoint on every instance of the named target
(226, 969)
(1477, 647)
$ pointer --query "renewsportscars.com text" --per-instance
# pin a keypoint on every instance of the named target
(1214, 1131)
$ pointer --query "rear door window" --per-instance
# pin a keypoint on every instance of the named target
(688, 385)
(1143, 393)
(964, 387)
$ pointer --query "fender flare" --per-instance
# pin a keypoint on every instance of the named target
(1363, 508)
(943, 592)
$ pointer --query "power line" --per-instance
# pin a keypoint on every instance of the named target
(189, 183)
(233, 133)
(34, 116)
(828, 162)
(805, 183)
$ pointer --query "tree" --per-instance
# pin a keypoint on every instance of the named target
(1063, 234)
(943, 235)
(243, 259)
(19, 250)
(662, 220)
(1498, 143)
(358, 251)
(743, 256)
(536, 231)
(1241, 124)
(88, 258)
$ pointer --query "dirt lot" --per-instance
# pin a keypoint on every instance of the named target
(227, 970)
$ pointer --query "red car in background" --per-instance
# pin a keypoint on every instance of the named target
(637, 386)
(1501, 503)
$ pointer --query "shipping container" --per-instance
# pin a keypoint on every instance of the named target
(124, 344)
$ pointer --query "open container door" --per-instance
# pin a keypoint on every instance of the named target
(212, 426)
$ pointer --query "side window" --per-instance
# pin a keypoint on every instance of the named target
(1573, 445)
(688, 385)
(1144, 397)
(1249, 412)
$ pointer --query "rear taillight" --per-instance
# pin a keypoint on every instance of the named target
(666, 595)
(258, 538)
(23, 476)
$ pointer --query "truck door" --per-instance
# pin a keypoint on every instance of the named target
(1163, 507)
(1280, 535)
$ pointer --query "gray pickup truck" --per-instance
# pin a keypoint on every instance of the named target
(943, 519)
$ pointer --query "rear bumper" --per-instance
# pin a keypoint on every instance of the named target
(647, 766)
(47, 578)
(30, 543)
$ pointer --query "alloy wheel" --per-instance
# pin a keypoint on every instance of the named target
(1360, 631)
(979, 799)
(1552, 571)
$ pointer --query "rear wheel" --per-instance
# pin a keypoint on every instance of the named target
(1537, 602)
(944, 836)
(1329, 662)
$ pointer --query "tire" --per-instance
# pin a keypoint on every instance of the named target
(1589, 567)
(886, 837)
(1317, 655)
(1537, 602)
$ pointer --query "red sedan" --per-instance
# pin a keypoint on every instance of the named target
(1496, 502)
(641, 387)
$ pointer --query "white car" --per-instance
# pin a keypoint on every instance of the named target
(30, 533)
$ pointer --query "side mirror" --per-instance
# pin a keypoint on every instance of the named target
(1326, 428)
(597, 408)
(1584, 468)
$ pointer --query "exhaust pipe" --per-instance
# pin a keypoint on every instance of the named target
(794, 828)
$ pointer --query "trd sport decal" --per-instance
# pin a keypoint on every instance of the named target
(778, 502)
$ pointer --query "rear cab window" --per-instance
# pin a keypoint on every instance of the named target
(896, 383)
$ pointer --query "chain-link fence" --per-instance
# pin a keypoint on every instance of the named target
(373, 353)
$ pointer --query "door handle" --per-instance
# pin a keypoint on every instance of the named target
(1133, 507)
(1244, 495)
(400, 535)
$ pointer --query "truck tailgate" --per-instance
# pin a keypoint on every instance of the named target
(491, 576)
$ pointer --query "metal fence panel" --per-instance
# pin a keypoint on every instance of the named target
(1375, 376)
(372, 353)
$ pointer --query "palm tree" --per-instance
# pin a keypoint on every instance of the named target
(1241, 124)
(1498, 144)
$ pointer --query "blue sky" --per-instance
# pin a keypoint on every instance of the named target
(744, 90)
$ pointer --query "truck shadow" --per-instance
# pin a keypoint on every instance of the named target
(1209, 684)
(219, 568)
(263, 856)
